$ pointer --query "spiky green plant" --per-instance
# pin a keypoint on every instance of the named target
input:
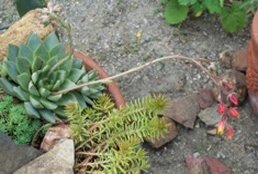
(13, 121)
(108, 140)
(35, 70)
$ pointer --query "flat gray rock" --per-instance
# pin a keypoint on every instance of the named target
(59, 160)
(209, 116)
(13, 156)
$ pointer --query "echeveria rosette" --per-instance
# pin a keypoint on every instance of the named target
(30, 73)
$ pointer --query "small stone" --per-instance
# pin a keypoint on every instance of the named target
(53, 135)
(59, 160)
(212, 131)
(217, 167)
(13, 156)
(209, 116)
(206, 98)
(169, 136)
(183, 110)
(239, 62)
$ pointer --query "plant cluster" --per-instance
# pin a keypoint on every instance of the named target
(108, 140)
(233, 14)
(15, 123)
(227, 108)
(34, 71)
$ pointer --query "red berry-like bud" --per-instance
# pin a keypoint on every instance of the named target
(233, 112)
(222, 108)
(229, 133)
(233, 98)
(220, 127)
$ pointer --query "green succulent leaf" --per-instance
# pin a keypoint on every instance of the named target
(175, 13)
(52, 61)
(23, 6)
(7, 86)
(55, 98)
(35, 77)
(33, 41)
(48, 115)
(21, 94)
(44, 92)
(12, 52)
(77, 63)
(58, 51)
(57, 85)
(51, 41)
(31, 111)
(23, 79)
(25, 51)
(60, 111)
(80, 99)
(67, 66)
(67, 84)
(37, 64)
(35, 102)
(66, 99)
(23, 65)
(88, 100)
(61, 75)
(11, 70)
(76, 74)
(32, 89)
(47, 104)
(42, 52)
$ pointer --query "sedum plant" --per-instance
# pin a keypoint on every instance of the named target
(108, 140)
(13, 121)
(34, 71)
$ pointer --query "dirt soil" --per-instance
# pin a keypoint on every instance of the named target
(107, 30)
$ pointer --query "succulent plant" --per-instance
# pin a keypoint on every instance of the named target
(34, 71)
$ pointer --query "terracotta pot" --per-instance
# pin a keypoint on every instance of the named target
(113, 88)
(54, 134)
(252, 66)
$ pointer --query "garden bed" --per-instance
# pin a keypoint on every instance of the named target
(126, 33)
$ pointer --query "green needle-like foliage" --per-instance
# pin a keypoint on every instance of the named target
(37, 69)
(15, 123)
(108, 140)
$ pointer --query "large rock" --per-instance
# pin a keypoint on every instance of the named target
(59, 160)
(13, 156)
(19, 31)
(183, 110)
(169, 136)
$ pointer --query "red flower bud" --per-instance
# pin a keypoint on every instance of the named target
(222, 108)
(229, 133)
(233, 98)
(233, 112)
(220, 127)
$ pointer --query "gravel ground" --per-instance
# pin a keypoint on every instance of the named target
(107, 30)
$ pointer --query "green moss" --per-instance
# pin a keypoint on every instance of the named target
(15, 122)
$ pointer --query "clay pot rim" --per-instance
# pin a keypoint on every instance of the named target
(112, 87)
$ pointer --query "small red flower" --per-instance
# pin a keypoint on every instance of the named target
(222, 108)
(233, 112)
(220, 127)
(229, 132)
(233, 98)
